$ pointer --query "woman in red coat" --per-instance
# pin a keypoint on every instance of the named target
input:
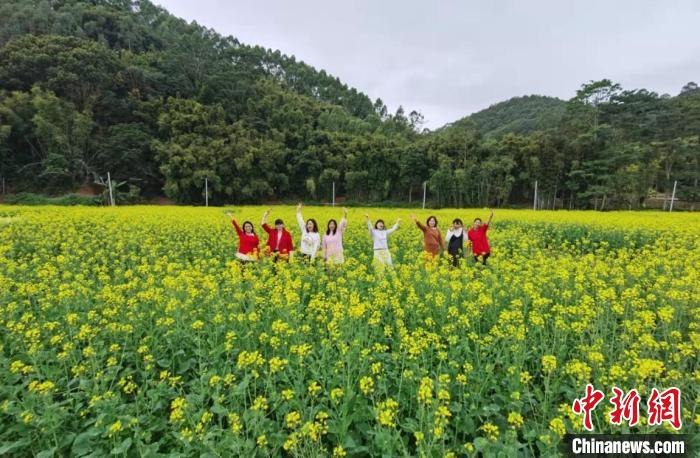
(279, 240)
(248, 241)
(478, 239)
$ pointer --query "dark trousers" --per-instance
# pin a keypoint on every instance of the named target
(455, 258)
(484, 257)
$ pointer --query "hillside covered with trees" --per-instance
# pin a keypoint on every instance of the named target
(122, 86)
(519, 115)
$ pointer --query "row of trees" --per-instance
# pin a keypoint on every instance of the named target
(121, 85)
(610, 148)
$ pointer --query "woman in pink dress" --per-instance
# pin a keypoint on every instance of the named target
(333, 240)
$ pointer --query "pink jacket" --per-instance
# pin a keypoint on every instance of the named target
(333, 243)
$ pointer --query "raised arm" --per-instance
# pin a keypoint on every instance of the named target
(264, 224)
(394, 227)
(343, 221)
(488, 223)
(235, 224)
(369, 223)
(300, 219)
(420, 225)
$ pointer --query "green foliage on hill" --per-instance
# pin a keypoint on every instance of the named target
(88, 87)
(519, 115)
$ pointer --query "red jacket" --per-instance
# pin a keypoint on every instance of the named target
(248, 242)
(480, 244)
(285, 246)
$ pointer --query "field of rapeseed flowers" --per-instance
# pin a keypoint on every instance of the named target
(134, 331)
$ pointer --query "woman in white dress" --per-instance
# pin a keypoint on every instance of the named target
(310, 238)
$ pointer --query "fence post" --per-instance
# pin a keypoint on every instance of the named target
(111, 196)
(673, 196)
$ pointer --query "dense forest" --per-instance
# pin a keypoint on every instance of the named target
(88, 87)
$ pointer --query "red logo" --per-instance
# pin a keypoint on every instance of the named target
(661, 407)
(587, 404)
(626, 407)
(665, 406)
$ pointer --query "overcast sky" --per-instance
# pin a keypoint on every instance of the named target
(448, 59)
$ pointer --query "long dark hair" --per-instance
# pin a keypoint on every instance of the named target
(251, 227)
(314, 222)
(376, 223)
(328, 228)
(427, 221)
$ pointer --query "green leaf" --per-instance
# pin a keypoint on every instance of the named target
(12, 446)
(480, 443)
(123, 447)
(219, 409)
(410, 424)
(46, 453)
(81, 444)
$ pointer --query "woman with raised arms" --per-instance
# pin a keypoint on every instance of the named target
(479, 240)
(382, 256)
(454, 241)
(310, 238)
(432, 238)
(279, 240)
(248, 241)
(333, 240)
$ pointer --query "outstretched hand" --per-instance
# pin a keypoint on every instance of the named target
(299, 205)
(229, 214)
